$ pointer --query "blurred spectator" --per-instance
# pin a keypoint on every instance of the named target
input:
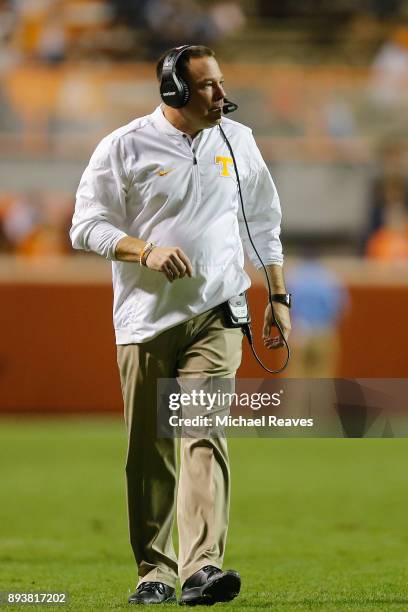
(390, 243)
(390, 70)
(87, 22)
(319, 300)
(22, 218)
(30, 16)
(52, 42)
(388, 239)
(34, 223)
(227, 16)
(388, 205)
(338, 114)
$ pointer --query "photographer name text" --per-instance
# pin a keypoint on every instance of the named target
(238, 421)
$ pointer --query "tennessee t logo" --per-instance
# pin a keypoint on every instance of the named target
(219, 159)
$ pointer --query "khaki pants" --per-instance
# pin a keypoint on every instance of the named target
(201, 347)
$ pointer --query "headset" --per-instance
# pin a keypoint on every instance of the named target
(174, 92)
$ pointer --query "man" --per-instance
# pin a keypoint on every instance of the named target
(159, 198)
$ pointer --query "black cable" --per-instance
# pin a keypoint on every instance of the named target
(247, 326)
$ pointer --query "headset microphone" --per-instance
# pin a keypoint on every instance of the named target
(229, 107)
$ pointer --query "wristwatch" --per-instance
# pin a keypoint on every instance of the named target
(283, 298)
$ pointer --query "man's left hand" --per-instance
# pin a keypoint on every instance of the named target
(283, 318)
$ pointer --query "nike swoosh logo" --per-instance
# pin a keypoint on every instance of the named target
(164, 172)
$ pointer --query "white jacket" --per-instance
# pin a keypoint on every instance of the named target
(149, 180)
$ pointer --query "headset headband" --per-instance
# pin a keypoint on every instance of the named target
(170, 61)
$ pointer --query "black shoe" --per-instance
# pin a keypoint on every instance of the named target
(153, 593)
(209, 585)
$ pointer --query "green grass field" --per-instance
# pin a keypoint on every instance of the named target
(315, 524)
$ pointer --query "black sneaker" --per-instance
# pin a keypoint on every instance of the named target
(210, 585)
(153, 593)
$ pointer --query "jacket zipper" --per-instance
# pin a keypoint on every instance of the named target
(196, 173)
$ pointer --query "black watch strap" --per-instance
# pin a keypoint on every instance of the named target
(283, 298)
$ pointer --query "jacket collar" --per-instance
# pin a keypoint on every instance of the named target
(165, 127)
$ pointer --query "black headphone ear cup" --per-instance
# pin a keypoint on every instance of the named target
(174, 90)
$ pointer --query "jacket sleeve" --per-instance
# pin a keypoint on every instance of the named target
(262, 212)
(100, 207)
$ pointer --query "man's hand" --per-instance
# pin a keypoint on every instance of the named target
(283, 318)
(171, 261)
